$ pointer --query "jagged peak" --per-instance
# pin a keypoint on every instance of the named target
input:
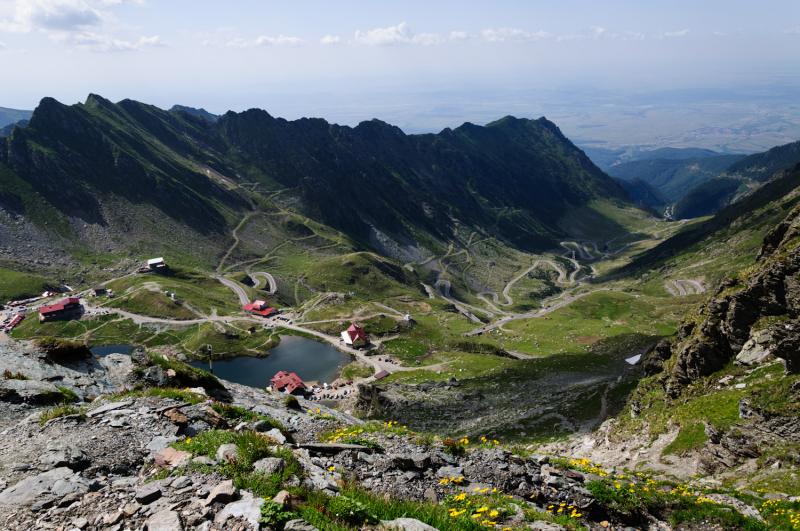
(379, 125)
(95, 100)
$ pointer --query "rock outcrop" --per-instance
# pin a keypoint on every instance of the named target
(748, 319)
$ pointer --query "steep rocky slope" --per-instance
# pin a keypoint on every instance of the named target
(172, 457)
(720, 399)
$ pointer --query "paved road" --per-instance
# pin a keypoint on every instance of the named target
(268, 280)
(683, 287)
(237, 288)
(532, 315)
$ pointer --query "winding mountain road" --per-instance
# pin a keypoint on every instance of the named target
(532, 315)
(237, 288)
(268, 280)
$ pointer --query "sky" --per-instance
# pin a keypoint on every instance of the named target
(423, 64)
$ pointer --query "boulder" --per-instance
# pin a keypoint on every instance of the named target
(158, 443)
(299, 525)
(172, 458)
(283, 498)
(756, 350)
(29, 392)
(224, 492)
(247, 509)
(63, 456)
(541, 525)
(47, 486)
(165, 520)
(450, 472)
(276, 435)
(111, 406)
(148, 493)
(405, 524)
(269, 465)
(227, 453)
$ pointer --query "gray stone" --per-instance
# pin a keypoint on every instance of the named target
(262, 426)
(227, 452)
(123, 483)
(276, 435)
(147, 494)
(247, 509)
(299, 525)
(450, 472)
(181, 482)
(541, 525)
(80, 522)
(111, 406)
(756, 350)
(165, 520)
(269, 465)
(737, 504)
(405, 524)
(59, 456)
(225, 492)
(430, 495)
(159, 443)
(203, 460)
(29, 391)
(51, 485)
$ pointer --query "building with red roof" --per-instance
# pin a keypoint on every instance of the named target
(68, 308)
(259, 308)
(288, 382)
(14, 322)
(355, 336)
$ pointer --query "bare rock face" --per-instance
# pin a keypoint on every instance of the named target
(44, 488)
(727, 329)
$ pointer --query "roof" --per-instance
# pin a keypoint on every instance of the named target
(381, 375)
(60, 306)
(287, 381)
(154, 261)
(259, 308)
(356, 332)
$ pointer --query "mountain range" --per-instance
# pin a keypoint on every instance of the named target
(92, 176)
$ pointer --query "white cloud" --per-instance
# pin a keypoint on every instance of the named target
(399, 34)
(793, 31)
(52, 15)
(513, 35)
(98, 42)
(674, 34)
(402, 34)
(73, 22)
(261, 40)
(330, 39)
(458, 36)
(280, 40)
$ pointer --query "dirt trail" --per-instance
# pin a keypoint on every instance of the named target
(235, 244)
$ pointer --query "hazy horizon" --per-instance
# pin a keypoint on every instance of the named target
(722, 75)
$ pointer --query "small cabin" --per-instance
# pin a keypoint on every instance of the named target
(355, 336)
(157, 264)
(259, 307)
(288, 382)
(68, 308)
